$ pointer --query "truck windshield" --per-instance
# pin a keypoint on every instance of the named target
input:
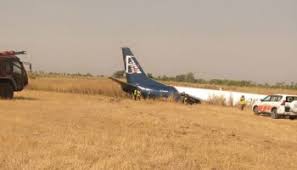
(267, 99)
(17, 68)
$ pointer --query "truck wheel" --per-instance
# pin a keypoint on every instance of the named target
(256, 111)
(292, 117)
(274, 114)
(6, 91)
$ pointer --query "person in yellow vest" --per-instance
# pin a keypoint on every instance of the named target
(138, 95)
(134, 94)
(185, 98)
(242, 102)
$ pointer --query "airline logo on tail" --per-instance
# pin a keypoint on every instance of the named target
(131, 66)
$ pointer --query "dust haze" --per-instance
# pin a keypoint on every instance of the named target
(251, 40)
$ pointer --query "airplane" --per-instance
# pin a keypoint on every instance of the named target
(149, 88)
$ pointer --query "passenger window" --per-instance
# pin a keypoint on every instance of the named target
(276, 98)
(291, 98)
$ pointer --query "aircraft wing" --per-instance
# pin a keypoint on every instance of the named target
(126, 87)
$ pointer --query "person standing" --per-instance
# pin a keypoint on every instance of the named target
(134, 94)
(138, 95)
(242, 102)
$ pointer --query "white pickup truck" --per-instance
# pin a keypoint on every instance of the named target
(277, 105)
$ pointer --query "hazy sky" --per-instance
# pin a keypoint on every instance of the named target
(232, 39)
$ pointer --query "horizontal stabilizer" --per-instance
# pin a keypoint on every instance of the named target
(129, 88)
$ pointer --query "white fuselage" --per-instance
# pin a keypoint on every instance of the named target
(230, 97)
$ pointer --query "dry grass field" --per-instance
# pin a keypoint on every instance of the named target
(45, 129)
(81, 85)
(105, 86)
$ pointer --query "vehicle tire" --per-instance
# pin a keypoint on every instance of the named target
(256, 111)
(292, 117)
(274, 114)
(6, 91)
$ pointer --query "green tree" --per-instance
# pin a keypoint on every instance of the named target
(150, 75)
(180, 78)
(189, 77)
(119, 74)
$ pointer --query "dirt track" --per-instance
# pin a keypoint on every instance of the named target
(58, 130)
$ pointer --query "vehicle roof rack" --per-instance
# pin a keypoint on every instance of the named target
(11, 53)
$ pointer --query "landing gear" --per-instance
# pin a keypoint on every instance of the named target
(186, 99)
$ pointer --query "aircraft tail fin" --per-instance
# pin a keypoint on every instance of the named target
(133, 70)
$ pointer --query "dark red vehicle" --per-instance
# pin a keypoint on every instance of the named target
(13, 76)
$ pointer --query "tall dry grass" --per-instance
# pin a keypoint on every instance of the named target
(217, 100)
(105, 86)
(80, 85)
(87, 84)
